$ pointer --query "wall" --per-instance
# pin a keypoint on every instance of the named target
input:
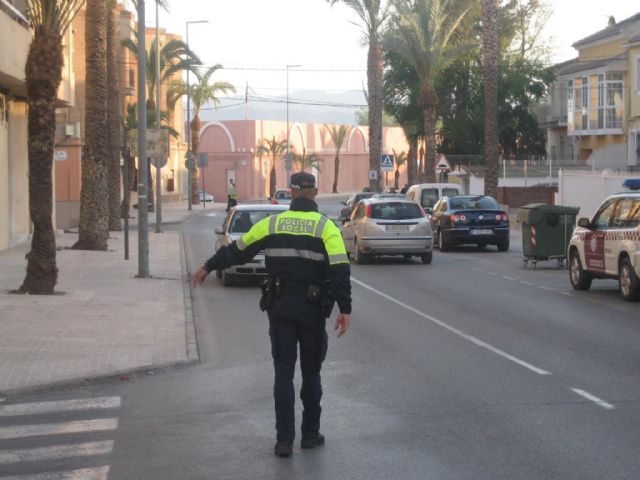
(516, 197)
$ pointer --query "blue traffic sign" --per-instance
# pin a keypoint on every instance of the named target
(386, 163)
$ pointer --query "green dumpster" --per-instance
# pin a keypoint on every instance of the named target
(546, 231)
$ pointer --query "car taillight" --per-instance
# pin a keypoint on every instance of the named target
(457, 218)
(502, 217)
(369, 211)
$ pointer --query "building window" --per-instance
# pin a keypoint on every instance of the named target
(638, 74)
(570, 105)
(585, 103)
(610, 100)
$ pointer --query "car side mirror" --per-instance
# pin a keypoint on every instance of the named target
(219, 231)
(343, 202)
(428, 210)
(584, 222)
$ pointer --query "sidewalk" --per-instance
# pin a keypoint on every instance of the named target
(103, 321)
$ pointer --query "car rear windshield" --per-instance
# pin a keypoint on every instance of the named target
(244, 220)
(283, 195)
(395, 211)
(471, 203)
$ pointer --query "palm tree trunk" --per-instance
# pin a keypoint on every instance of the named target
(374, 81)
(272, 178)
(195, 145)
(113, 119)
(43, 74)
(429, 102)
(396, 182)
(336, 173)
(490, 67)
(94, 212)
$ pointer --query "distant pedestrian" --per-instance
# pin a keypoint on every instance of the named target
(308, 270)
(404, 189)
(232, 195)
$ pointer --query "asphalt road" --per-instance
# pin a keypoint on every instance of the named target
(469, 368)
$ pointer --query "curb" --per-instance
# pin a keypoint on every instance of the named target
(190, 325)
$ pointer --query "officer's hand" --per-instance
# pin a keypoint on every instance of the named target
(342, 323)
(198, 277)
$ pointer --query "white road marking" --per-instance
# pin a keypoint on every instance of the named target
(527, 283)
(507, 277)
(593, 398)
(454, 330)
(568, 294)
(548, 289)
(493, 273)
(56, 452)
(212, 214)
(78, 426)
(59, 406)
(99, 473)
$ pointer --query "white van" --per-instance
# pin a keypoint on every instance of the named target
(427, 194)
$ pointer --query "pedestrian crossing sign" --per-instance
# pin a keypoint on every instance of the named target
(386, 162)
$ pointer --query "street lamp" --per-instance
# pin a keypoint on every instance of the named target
(190, 158)
(287, 162)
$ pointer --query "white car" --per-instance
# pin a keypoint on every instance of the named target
(608, 246)
(281, 197)
(204, 196)
(388, 226)
(238, 222)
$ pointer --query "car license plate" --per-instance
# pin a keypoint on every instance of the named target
(397, 228)
(481, 231)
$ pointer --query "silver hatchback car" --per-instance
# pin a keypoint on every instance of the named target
(238, 222)
(388, 226)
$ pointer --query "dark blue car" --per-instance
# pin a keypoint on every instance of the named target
(469, 219)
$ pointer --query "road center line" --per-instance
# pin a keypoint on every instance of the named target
(454, 330)
(99, 473)
(507, 277)
(593, 398)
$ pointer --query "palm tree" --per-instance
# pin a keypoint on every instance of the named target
(113, 117)
(338, 136)
(425, 36)
(175, 57)
(401, 159)
(373, 15)
(490, 69)
(275, 149)
(201, 93)
(93, 229)
(303, 160)
(43, 72)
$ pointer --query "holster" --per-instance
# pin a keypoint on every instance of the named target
(326, 301)
(268, 293)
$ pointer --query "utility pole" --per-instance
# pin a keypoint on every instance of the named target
(143, 204)
(159, 161)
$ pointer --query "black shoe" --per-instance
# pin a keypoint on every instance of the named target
(312, 442)
(283, 449)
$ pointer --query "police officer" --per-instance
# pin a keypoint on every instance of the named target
(308, 270)
(232, 195)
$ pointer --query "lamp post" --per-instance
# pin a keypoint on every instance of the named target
(143, 206)
(287, 162)
(190, 158)
(158, 160)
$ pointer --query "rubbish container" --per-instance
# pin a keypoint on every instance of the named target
(546, 231)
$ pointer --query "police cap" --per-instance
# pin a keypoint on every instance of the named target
(301, 180)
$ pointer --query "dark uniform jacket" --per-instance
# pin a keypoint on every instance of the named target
(300, 244)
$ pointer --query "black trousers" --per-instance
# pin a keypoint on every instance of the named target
(292, 321)
(231, 202)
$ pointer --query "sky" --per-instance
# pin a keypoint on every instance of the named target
(255, 40)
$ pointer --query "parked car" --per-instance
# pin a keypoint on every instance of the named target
(350, 203)
(382, 226)
(608, 246)
(238, 222)
(427, 194)
(467, 219)
(282, 196)
(205, 197)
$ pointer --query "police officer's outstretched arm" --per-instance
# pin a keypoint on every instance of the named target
(236, 253)
(339, 275)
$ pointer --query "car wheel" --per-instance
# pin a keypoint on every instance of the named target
(359, 257)
(503, 246)
(407, 256)
(580, 280)
(482, 245)
(628, 282)
(427, 258)
(218, 273)
(227, 279)
(444, 246)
